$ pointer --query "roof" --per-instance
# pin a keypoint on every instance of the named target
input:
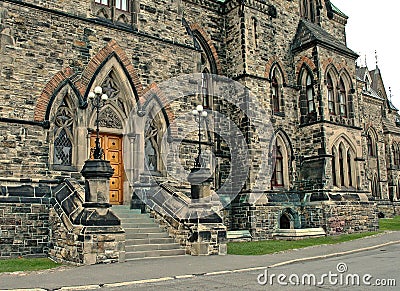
(360, 73)
(337, 11)
(391, 106)
(309, 34)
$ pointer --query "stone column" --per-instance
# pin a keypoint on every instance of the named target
(200, 180)
(207, 222)
(97, 174)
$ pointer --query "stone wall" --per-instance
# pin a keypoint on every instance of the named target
(335, 217)
(83, 234)
(85, 245)
(24, 227)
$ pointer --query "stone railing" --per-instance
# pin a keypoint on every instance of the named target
(83, 234)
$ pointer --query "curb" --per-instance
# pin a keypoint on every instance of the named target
(215, 273)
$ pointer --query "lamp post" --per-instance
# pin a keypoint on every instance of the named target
(97, 172)
(199, 114)
(98, 100)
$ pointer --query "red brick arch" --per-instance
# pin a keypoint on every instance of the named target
(48, 90)
(271, 62)
(307, 61)
(207, 38)
(99, 58)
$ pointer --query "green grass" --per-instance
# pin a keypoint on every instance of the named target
(22, 264)
(389, 223)
(273, 246)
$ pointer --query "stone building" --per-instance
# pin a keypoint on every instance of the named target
(297, 136)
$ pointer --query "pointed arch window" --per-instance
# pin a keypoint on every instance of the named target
(277, 176)
(395, 155)
(205, 88)
(276, 90)
(310, 94)
(334, 167)
(349, 168)
(62, 149)
(307, 10)
(342, 99)
(375, 187)
(398, 191)
(371, 146)
(341, 166)
(63, 146)
(255, 37)
(331, 96)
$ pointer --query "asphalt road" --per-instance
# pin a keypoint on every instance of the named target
(380, 266)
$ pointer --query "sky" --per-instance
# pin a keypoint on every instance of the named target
(375, 26)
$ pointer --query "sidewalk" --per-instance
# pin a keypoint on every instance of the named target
(180, 266)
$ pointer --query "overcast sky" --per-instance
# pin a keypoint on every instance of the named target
(375, 25)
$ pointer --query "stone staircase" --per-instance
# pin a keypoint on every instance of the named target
(144, 237)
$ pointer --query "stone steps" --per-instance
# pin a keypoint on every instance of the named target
(144, 237)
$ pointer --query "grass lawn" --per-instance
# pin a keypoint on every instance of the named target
(272, 246)
(22, 264)
(389, 223)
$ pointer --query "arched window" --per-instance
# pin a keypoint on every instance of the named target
(63, 146)
(62, 149)
(275, 90)
(398, 191)
(310, 94)
(334, 167)
(371, 146)
(342, 99)
(205, 88)
(349, 168)
(277, 176)
(398, 155)
(395, 154)
(255, 36)
(341, 166)
(344, 166)
(331, 96)
(307, 10)
(375, 187)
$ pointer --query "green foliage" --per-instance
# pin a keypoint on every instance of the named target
(273, 246)
(23, 264)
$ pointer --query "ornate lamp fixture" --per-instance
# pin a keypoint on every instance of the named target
(98, 100)
(199, 114)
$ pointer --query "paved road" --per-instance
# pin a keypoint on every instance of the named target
(381, 264)
(240, 272)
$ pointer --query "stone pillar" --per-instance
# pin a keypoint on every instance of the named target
(208, 227)
(200, 180)
(97, 174)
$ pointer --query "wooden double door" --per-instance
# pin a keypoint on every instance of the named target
(112, 147)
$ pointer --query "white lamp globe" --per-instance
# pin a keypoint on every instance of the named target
(98, 90)
(199, 108)
(91, 95)
(195, 112)
(204, 114)
(104, 97)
